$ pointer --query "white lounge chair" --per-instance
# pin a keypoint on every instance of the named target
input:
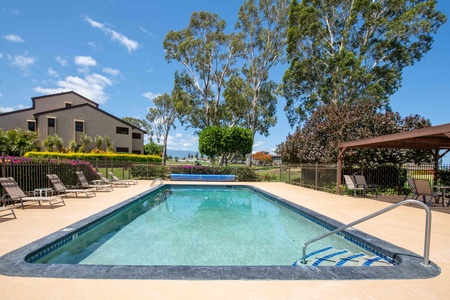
(16, 194)
(62, 189)
(116, 183)
(351, 185)
(360, 182)
(117, 179)
(97, 186)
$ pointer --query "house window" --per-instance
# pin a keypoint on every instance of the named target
(32, 125)
(68, 104)
(79, 126)
(136, 135)
(51, 122)
(121, 130)
(136, 151)
(121, 150)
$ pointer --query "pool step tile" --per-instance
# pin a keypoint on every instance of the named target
(329, 256)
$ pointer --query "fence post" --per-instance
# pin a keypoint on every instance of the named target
(289, 173)
(316, 177)
(3, 165)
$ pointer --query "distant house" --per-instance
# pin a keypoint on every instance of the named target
(276, 159)
(68, 115)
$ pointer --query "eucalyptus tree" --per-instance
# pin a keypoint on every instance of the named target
(207, 54)
(347, 50)
(139, 123)
(162, 118)
(261, 30)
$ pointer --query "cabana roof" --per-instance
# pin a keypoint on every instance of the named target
(433, 138)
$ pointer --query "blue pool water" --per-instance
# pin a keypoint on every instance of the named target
(221, 232)
(192, 226)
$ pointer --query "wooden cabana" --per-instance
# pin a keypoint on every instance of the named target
(433, 138)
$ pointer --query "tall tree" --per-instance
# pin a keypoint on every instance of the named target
(346, 50)
(162, 118)
(207, 55)
(141, 124)
(261, 29)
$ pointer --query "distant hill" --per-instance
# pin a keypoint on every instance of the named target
(180, 153)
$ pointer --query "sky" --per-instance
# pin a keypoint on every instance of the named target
(111, 51)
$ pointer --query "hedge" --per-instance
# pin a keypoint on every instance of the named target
(135, 158)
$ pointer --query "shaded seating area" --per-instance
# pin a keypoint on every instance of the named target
(60, 188)
(423, 188)
(114, 178)
(105, 180)
(16, 194)
(358, 183)
(98, 186)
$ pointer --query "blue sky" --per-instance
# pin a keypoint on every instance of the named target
(111, 52)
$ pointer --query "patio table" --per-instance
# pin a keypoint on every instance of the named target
(442, 188)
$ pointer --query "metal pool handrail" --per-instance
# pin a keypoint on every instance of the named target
(426, 255)
(161, 181)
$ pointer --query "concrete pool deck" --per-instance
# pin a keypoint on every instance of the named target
(403, 227)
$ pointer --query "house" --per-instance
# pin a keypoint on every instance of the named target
(275, 158)
(68, 115)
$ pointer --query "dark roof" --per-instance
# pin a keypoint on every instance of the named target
(88, 105)
(63, 93)
(433, 137)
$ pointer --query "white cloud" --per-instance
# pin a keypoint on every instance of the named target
(92, 86)
(115, 36)
(181, 142)
(146, 32)
(52, 72)
(150, 95)
(85, 61)
(110, 71)
(6, 109)
(13, 38)
(62, 61)
(22, 62)
(1, 55)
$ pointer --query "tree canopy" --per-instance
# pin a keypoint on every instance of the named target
(344, 51)
(316, 141)
(225, 141)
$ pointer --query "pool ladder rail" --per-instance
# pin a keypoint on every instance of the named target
(426, 255)
(157, 180)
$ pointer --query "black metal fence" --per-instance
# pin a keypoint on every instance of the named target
(30, 174)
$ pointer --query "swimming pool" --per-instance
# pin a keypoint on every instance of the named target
(54, 256)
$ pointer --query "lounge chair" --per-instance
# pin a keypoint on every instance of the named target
(16, 194)
(116, 183)
(412, 188)
(62, 189)
(7, 208)
(360, 181)
(117, 179)
(423, 188)
(351, 184)
(84, 184)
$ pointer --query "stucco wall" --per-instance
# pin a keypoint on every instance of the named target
(58, 101)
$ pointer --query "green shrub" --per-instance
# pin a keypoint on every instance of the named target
(135, 158)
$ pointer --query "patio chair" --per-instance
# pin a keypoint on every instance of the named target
(62, 189)
(360, 181)
(98, 186)
(116, 184)
(351, 185)
(117, 179)
(423, 188)
(412, 188)
(16, 194)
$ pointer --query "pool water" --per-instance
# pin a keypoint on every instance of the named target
(211, 226)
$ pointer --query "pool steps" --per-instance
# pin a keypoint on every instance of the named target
(330, 256)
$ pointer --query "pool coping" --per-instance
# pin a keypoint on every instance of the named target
(408, 263)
